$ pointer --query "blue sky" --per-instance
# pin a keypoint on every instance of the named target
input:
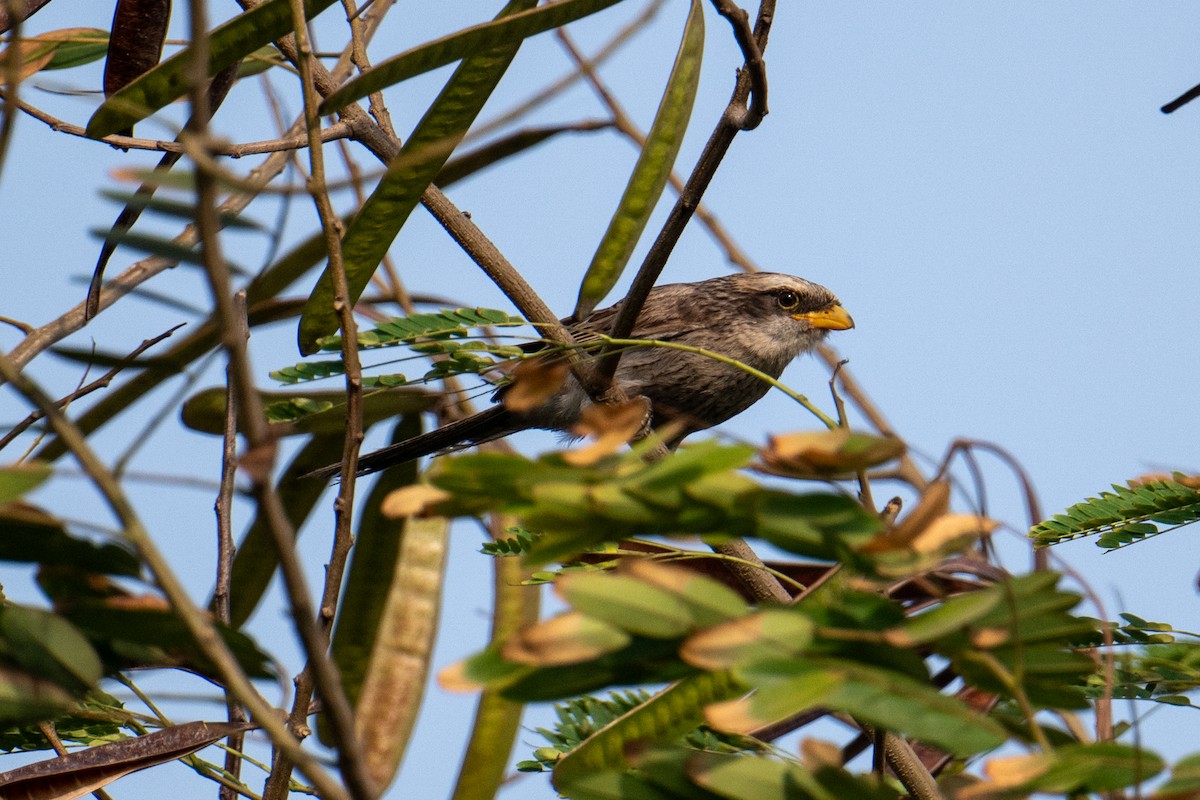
(989, 188)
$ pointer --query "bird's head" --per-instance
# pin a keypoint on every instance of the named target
(772, 313)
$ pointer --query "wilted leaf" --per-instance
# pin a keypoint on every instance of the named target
(569, 638)
(611, 426)
(1068, 770)
(60, 49)
(774, 633)
(79, 773)
(534, 382)
(409, 501)
(833, 452)
(934, 503)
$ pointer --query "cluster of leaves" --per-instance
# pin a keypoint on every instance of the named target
(441, 335)
(739, 668)
(1124, 515)
(52, 658)
(698, 491)
(842, 649)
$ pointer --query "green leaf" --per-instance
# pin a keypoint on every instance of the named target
(173, 208)
(33, 536)
(1122, 516)
(627, 603)
(136, 637)
(169, 81)
(81, 46)
(1185, 777)
(384, 213)
(26, 697)
(48, 646)
(952, 615)
(822, 526)
(666, 716)
(155, 246)
(767, 635)
(736, 777)
(1085, 768)
(17, 480)
(891, 701)
(507, 30)
(295, 408)
(652, 170)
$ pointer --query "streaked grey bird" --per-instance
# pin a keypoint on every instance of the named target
(761, 319)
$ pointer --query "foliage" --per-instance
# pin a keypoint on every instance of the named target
(1124, 515)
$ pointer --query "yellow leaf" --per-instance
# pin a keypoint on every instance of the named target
(412, 500)
(611, 425)
(534, 382)
(569, 638)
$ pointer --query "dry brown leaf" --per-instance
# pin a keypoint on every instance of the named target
(934, 503)
(829, 452)
(569, 638)
(412, 500)
(818, 753)
(1004, 773)
(76, 774)
(611, 426)
(949, 529)
(454, 679)
(534, 382)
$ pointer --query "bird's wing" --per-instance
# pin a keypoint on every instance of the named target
(653, 322)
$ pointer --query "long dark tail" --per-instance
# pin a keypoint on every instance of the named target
(475, 429)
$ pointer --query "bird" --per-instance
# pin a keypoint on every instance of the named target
(761, 319)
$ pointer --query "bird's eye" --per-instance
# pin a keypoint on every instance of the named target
(788, 300)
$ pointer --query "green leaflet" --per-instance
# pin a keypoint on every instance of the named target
(668, 715)
(884, 698)
(504, 31)
(167, 82)
(1126, 514)
(384, 213)
(19, 479)
(652, 170)
(734, 777)
(429, 334)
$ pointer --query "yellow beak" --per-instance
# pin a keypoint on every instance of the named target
(834, 318)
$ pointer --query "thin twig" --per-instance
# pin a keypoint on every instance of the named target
(223, 508)
(259, 440)
(340, 714)
(544, 95)
(754, 68)
(330, 134)
(100, 383)
(702, 174)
